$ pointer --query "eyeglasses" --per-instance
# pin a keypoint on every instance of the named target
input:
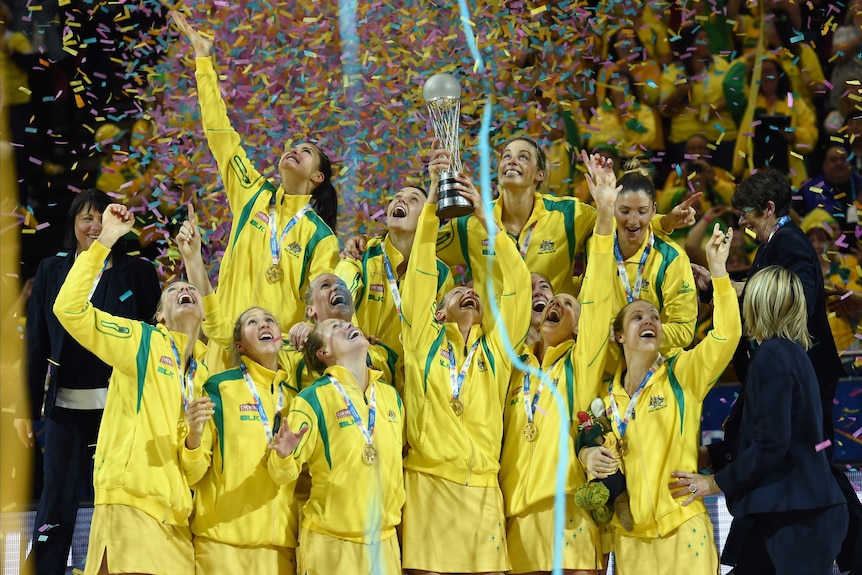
(744, 213)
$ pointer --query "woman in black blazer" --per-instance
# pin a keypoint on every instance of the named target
(75, 379)
(789, 513)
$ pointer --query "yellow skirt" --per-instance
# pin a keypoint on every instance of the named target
(321, 554)
(213, 557)
(531, 539)
(452, 528)
(134, 542)
(689, 549)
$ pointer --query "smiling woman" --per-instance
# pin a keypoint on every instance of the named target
(141, 488)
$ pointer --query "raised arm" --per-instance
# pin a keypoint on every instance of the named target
(114, 340)
(292, 445)
(699, 368)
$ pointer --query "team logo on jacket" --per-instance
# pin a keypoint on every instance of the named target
(645, 285)
(392, 417)
(547, 247)
(684, 288)
(294, 249)
(480, 363)
(262, 217)
(245, 407)
(377, 288)
(166, 361)
(656, 402)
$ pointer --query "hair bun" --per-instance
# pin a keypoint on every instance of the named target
(635, 166)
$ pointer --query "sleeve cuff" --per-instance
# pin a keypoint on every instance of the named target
(204, 64)
(722, 286)
(99, 251)
(603, 244)
(196, 454)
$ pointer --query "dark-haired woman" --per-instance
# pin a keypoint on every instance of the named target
(77, 379)
(548, 231)
(349, 428)
(650, 266)
(280, 236)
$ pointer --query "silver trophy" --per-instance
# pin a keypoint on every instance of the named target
(443, 97)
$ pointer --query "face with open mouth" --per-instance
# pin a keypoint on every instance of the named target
(300, 161)
(342, 340)
(460, 305)
(404, 209)
(642, 328)
(519, 166)
(179, 301)
(560, 319)
(330, 298)
(633, 212)
(257, 335)
(88, 226)
(542, 295)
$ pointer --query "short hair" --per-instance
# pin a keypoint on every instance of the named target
(767, 185)
(774, 306)
(637, 178)
(313, 344)
(82, 202)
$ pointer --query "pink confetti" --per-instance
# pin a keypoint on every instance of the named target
(822, 445)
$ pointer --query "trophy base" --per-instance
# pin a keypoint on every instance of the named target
(450, 203)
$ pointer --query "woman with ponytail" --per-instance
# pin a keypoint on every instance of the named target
(280, 235)
(650, 265)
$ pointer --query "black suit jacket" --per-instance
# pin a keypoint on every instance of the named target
(129, 289)
(777, 466)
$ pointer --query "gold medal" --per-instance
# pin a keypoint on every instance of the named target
(182, 428)
(456, 406)
(530, 431)
(369, 455)
(624, 446)
(274, 274)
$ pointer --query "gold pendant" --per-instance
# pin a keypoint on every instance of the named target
(624, 446)
(369, 455)
(274, 274)
(456, 406)
(182, 428)
(530, 431)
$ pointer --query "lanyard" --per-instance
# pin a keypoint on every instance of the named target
(264, 420)
(632, 294)
(393, 284)
(781, 221)
(623, 422)
(98, 277)
(275, 246)
(530, 406)
(528, 237)
(456, 379)
(187, 386)
(367, 434)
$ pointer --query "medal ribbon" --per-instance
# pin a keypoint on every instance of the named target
(632, 294)
(530, 406)
(393, 284)
(456, 378)
(528, 237)
(264, 420)
(623, 423)
(275, 246)
(781, 221)
(187, 386)
(367, 434)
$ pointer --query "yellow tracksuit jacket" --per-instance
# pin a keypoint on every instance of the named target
(665, 433)
(463, 449)
(236, 501)
(308, 250)
(137, 459)
(528, 470)
(349, 500)
(668, 285)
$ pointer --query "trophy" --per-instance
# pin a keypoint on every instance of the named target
(443, 97)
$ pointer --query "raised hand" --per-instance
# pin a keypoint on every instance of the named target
(117, 221)
(199, 411)
(683, 215)
(354, 247)
(601, 179)
(189, 236)
(717, 249)
(441, 161)
(203, 46)
(299, 333)
(285, 441)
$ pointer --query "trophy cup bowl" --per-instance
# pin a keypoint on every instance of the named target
(442, 95)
